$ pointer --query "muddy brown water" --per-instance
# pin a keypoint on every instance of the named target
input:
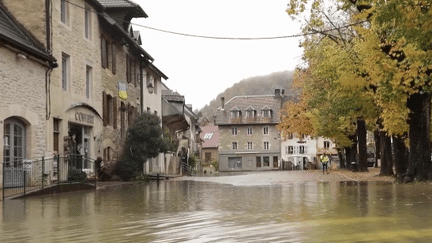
(200, 211)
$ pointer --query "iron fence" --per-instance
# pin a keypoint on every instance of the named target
(28, 175)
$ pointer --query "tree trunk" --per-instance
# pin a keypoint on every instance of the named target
(361, 135)
(341, 159)
(377, 147)
(419, 167)
(348, 157)
(386, 155)
(400, 159)
(353, 154)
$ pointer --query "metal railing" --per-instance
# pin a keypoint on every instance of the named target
(187, 169)
(24, 176)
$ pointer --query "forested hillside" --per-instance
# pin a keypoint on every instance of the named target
(260, 85)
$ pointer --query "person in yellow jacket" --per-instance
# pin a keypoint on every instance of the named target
(324, 161)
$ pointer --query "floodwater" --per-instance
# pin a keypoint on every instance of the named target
(201, 211)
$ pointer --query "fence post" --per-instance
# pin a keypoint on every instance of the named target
(43, 171)
(58, 169)
(24, 181)
(3, 185)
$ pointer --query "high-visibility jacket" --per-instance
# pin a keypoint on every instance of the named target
(324, 159)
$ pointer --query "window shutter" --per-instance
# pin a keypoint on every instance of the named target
(128, 78)
(104, 108)
(114, 55)
(104, 52)
(115, 112)
(109, 55)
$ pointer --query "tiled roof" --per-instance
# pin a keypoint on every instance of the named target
(210, 136)
(259, 102)
(113, 4)
(172, 96)
(118, 3)
(12, 32)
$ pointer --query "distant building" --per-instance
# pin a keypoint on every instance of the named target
(209, 148)
(302, 150)
(249, 139)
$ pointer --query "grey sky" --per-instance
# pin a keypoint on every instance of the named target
(200, 68)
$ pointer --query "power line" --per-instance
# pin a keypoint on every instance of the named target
(223, 38)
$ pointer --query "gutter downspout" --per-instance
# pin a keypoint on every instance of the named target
(48, 10)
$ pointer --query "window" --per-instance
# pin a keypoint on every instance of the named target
(249, 145)
(275, 162)
(266, 145)
(128, 69)
(249, 131)
(14, 142)
(289, 150)
(303, 150)
(148, 109)
(108, 54)
(208, 136)
(131, 115)
(88, 83)
(207, 157)
(266, 161)
(56, 134)
(234, 145)
(266, 113)
(235, 114)
(122, 120)
(234, 162)
(64, 12)
(326, 144)
(87, 23)
(110, 109)
(250, 114)
(234, 131)
(107, 154)
(155, 85)
(65, 71)
(258, 161)
(266, 130)
(290, 136)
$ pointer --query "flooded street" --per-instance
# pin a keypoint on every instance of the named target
(199, 210)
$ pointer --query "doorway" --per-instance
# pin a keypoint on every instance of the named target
(14, 142)
(80, 145)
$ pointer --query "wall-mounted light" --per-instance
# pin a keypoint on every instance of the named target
(21, 56)
(150, 88)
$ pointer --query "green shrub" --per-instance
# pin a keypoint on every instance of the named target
(76, 175)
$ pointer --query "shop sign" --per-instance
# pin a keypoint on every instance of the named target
(82, 117)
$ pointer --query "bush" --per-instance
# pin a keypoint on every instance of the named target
(76, 175)
(145, 139)
(215, 164)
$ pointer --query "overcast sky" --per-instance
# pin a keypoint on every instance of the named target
(200, 68)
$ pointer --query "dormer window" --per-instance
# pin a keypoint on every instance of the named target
(235, 112)
(250, 112)
(266, 112)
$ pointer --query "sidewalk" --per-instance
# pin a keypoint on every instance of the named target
(269, 178)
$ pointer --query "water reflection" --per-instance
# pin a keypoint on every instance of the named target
(195, 211)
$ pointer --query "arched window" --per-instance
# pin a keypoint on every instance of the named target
(14, 142)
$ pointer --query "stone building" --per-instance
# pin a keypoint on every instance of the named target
(103, 80)
(24, 71)
(248, 138)
(209, 148)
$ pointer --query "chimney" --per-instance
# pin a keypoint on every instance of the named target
(277, 93)
(223, 103)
